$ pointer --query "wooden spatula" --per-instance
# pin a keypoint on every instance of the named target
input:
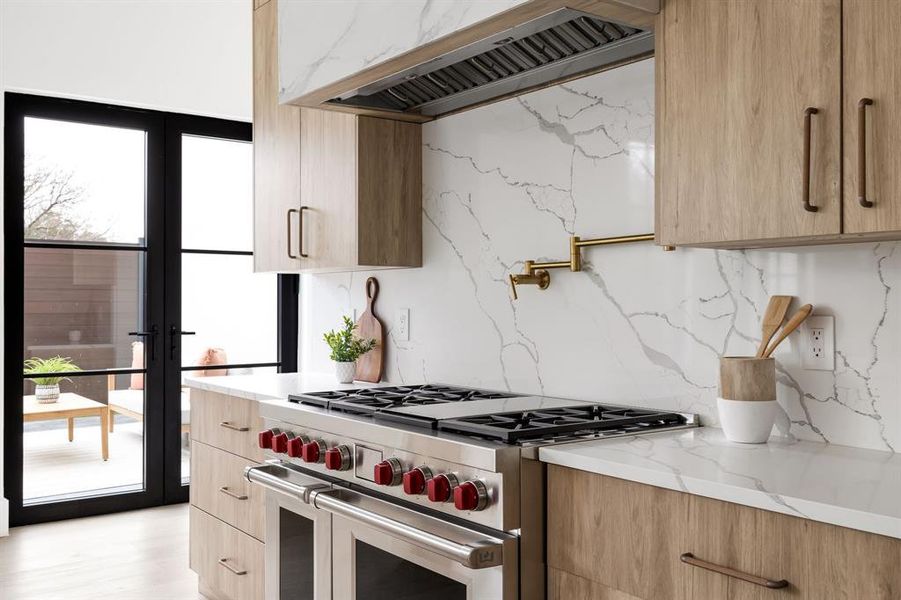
(790, 326)
(772, 320)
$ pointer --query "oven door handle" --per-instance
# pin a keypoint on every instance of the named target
(285, 481)
(470, 548)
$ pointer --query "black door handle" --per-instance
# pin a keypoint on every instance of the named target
(174, 336)
(151, 333)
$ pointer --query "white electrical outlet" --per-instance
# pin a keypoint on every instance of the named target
(818, 343)
(402, 325)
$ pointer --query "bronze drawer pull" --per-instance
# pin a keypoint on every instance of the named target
(690, 559)
(300, 233)
(223, 562)
(805, 179)
(228, 425)
(290, 210)
(224, 489)
(862, 152)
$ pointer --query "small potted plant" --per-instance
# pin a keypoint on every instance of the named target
(46, 389)
(346, 349)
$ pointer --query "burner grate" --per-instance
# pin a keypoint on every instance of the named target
(367, 401)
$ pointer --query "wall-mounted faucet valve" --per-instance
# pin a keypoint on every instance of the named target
(530, 276)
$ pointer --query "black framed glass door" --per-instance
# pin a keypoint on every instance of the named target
(124, 229)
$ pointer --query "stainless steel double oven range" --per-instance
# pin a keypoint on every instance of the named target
(425, 492)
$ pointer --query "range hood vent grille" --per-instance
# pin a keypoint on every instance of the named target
(560, 45)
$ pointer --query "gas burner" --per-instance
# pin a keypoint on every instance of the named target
(367, 401)
(554, 424)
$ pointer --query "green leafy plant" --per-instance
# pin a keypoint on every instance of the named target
(57, 364)
(346, 347)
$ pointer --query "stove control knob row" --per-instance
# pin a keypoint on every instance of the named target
(313, 452)
(388, 472)
(415, 480)
(338, 458)
(440, 487)
(471, 495)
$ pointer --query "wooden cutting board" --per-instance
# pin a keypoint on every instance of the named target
(371, 365)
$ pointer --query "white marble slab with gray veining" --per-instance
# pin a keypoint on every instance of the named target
(850, 487)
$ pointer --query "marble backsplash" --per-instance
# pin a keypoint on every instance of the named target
(513, 180)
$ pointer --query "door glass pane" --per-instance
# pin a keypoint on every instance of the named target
(81, 304)
(379, 574)
(84, 182)
(64, 442)
(217, 194)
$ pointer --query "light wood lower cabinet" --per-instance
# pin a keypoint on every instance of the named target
(228, 561)
(227, 512)
(608, 535)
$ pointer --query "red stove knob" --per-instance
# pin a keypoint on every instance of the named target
(338, 458)
(471, 495)
(280, 442)
(265, 438)
(312, 452)
(441, 486)
(387, 472)
(295, 446)
(414, 481)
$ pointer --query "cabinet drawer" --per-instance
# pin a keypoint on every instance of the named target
(226, 422)
(225, 559)
(218, 487)
(617, 533)
(566, 586)
(817, 559)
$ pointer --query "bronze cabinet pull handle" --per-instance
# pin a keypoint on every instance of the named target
(224, 489)
(223, 562)
(290, 210)
(300, 232)
(228, 425)
(862, 152)
(805, 179)
(689, 558)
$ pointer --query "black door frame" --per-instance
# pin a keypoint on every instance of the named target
(162, 306)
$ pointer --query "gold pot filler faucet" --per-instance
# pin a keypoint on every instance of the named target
(536, 273)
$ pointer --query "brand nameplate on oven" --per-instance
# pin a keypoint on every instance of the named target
(365, 461)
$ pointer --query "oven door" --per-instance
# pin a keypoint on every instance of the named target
(383, 551)
(298, 537)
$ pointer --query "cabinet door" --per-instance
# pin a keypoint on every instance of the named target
(872, 44)
(734, 79)
(276, 155)
(328, 169)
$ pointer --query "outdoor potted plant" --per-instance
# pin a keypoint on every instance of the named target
(46, 389)
(346, 349)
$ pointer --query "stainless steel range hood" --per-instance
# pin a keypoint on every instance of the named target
(555, 47)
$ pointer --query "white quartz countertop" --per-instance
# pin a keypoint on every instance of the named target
(272, 386)
(850, 487)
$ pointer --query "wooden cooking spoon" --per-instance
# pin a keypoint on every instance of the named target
(790, 326)
(772, 320)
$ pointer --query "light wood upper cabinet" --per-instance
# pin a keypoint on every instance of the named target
(733, 82)
(872, 45)
(276, 154)
(332, 191)
(362, 186)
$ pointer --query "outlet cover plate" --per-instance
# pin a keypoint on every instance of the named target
(402, 325)
(818, 343)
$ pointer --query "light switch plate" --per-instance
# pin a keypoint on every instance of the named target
(402, 325)
(818, 343)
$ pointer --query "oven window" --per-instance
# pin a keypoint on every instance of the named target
(383, 576)
(295, 557)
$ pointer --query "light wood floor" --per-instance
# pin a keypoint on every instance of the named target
(139, 555)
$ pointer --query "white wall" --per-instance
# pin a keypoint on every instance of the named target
(191, 56)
